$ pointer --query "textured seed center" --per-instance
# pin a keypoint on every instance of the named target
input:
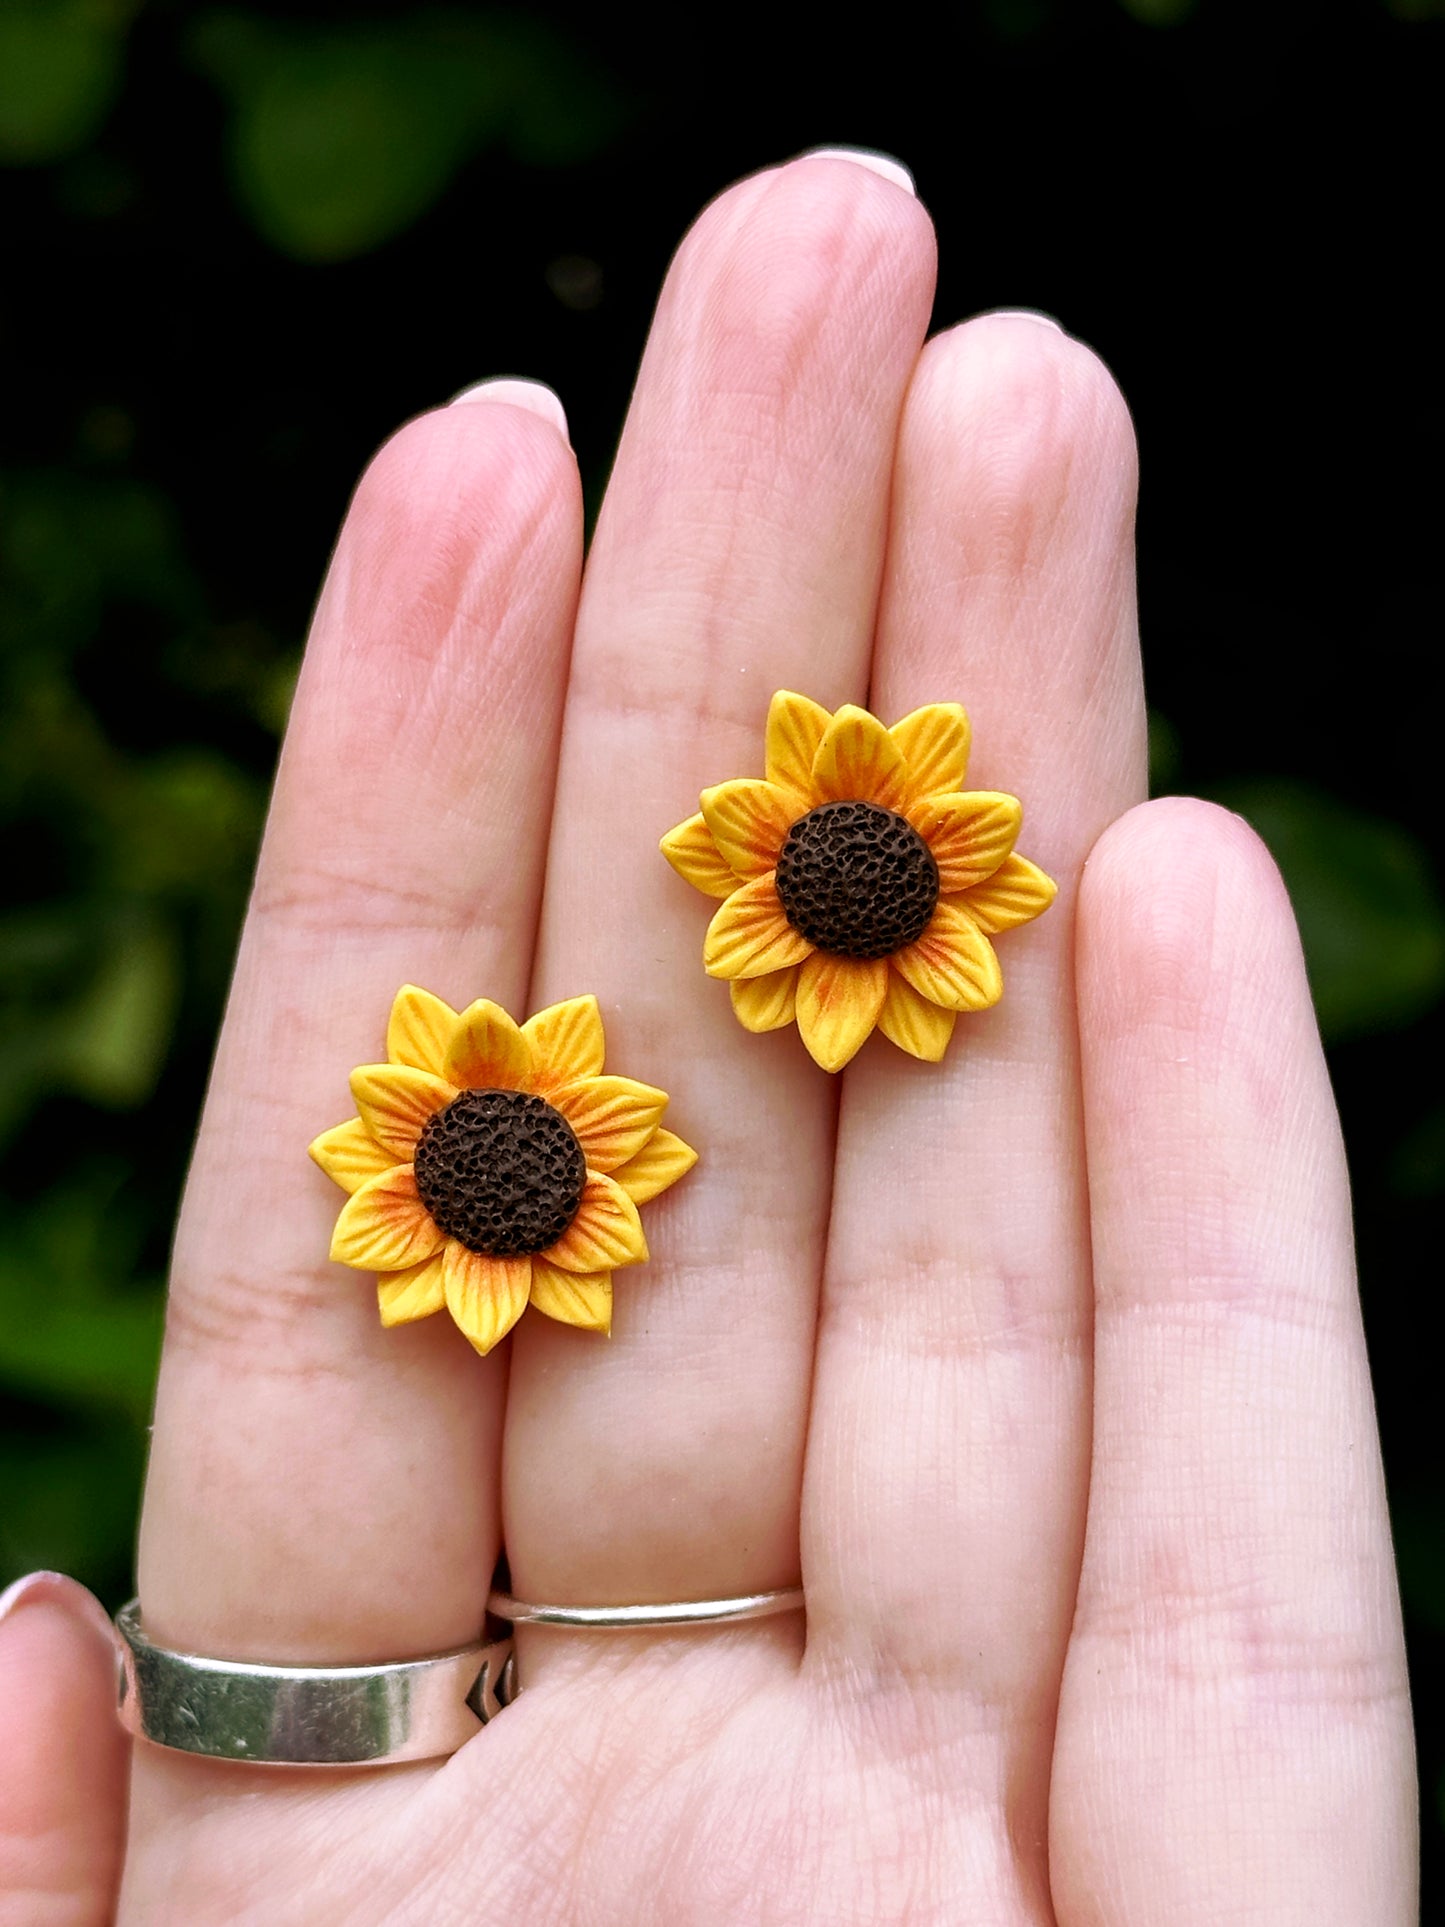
(857, 879)
(501, 1172)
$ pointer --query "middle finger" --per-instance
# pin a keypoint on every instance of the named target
(739, 550)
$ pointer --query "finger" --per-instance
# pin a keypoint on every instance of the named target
(949, 1444)
(1234, 1738)
(63, 1764)
(739, 551)
(321, 1489)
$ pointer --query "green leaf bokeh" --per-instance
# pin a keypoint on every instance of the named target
(61, 67)
(340, 137)
(1369, 909)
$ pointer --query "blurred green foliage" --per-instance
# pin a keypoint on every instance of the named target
(131, 869)
(243, 243)
(1160, 13)
(341, 136)
(61, 65)
(1370, 915)
(90, 978)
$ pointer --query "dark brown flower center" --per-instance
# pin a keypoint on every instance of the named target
(501, 1172)
(857, 879)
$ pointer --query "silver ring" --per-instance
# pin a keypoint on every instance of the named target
(228, 1709)
(619, 1619)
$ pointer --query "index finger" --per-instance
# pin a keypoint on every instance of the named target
(321, 1489)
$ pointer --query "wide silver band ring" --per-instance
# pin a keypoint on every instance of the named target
(228, 1709)
(623, 1619)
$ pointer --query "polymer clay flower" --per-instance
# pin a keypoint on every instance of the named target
(494, 1165)
(862, 882)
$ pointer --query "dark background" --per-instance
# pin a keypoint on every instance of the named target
(241, 245)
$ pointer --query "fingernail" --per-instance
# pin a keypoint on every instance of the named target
(56, 1589)
(1024, 314)
(535, 396)
(868, 157)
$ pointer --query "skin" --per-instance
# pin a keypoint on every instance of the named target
(1041, 1368)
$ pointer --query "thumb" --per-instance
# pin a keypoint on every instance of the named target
(64, 1758)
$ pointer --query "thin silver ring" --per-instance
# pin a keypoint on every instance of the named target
(627, 1619)
(229, 1709)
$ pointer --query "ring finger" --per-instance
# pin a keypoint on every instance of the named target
(948, 1456)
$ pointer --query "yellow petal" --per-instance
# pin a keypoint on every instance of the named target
(1017, 892)
(696, 858)
(969, 832)
(605, 1233)
(750, 936)
(748, 821)
(396, 1101)
(419, 1030)
(914, 1024)
(414, 1293)
(796, 726)
(934, 741)
(858, 762)
(486, 1296)
(488, 1050)
(612, 1116)
(766, 1003)
(660, 1163)
(839, 999)
(566, 1041)
(385, 1226)
(573, 1298)
(350, 1155)
(952, 963)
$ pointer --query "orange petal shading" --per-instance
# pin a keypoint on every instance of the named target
(748, 821)
(414, 1293)
(488, 1050)
(419, 1030)
(385, 1226)
(660, 1163)
(696, 858)
(1017, 892)
(914, 1024)
(952, 963)
(859, 762)
(750, 936)
(351, 1155)
(766, 1003)
(396, 1101)
(581, 1298)
(934, 741)
(796, 726)
(566, 1041)
(486, 1296)
(839, 999)
(613, 1117)
(605, 1233)
(970, 833)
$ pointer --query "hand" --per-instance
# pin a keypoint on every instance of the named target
(1041, 1367)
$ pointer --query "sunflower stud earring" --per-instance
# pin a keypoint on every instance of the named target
(492, 1165)
(861, 882)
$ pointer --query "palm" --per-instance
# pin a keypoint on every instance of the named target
(896, 1333)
